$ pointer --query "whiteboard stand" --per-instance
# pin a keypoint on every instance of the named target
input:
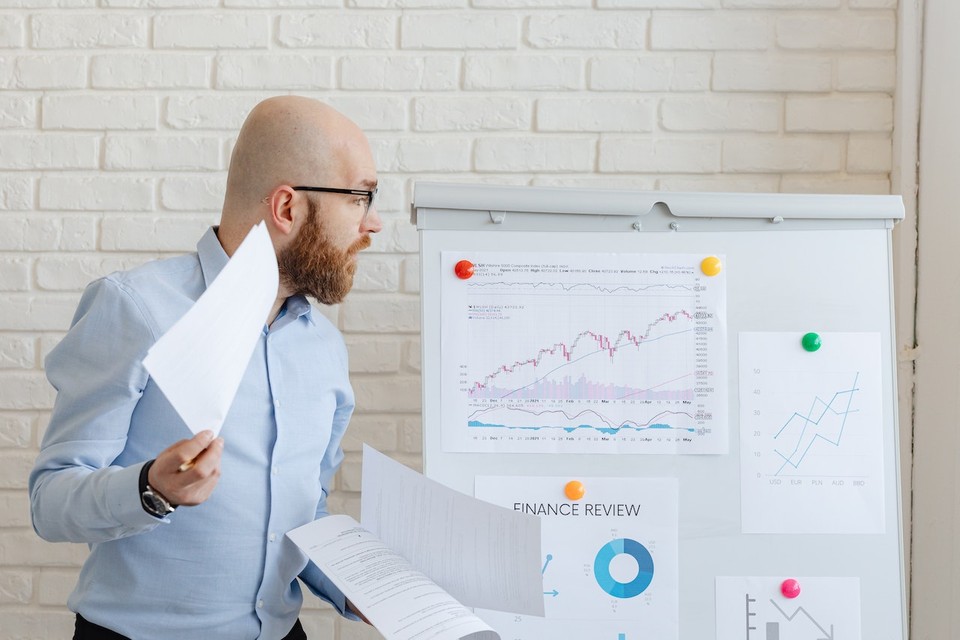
(793, 262)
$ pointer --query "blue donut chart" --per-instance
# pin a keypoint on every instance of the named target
(609, 551)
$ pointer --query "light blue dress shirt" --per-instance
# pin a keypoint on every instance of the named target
(222, 569)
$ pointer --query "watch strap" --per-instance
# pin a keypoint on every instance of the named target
(144, 473)
(150, 499)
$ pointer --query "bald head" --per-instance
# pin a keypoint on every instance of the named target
(285, 140)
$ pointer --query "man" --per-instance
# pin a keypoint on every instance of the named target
(219, 566)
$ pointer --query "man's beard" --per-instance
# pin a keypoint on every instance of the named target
(312, 266)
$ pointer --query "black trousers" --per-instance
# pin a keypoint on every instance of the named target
(86, 630)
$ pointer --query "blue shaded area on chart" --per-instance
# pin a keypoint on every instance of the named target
(612, 586)
(570, 429)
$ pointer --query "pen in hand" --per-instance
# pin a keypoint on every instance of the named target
(186, 466)
(186, 472)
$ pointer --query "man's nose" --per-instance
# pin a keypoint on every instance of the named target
(372, 222)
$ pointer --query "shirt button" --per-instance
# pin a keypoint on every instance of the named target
(275, 471)
(276, 402)
(259, 604)
(273, 537)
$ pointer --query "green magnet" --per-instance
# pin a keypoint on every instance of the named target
(811, 342)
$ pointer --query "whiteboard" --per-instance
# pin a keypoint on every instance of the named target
(794, 263)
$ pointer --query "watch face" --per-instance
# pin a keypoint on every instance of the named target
(155, 504)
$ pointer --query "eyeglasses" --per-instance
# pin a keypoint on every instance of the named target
(369, 195)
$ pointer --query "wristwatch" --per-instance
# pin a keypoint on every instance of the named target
(153, 503)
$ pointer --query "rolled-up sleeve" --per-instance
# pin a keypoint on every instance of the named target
(76, 492)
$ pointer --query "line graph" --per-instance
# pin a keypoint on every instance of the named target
(811, 446)
(566, 387)
(798, 611)
(583, 352)
(581, 287)
(828, 608)
(589, 419)
(812, 430)
(565, 355)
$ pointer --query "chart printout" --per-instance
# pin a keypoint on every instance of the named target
(610, 559)
(754, 608)
(811, 434)
(583, 353)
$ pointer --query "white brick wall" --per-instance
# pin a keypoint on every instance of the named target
(88, 30)
(460, 30)
(117, 118)
(150, 71)
(98, 111)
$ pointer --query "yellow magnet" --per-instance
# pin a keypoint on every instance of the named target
(574, 490)
(711, 266)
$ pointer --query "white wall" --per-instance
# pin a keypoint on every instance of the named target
(904, 243)
(117, 118)
(936, 565)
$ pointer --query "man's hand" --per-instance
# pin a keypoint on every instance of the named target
(196, 483)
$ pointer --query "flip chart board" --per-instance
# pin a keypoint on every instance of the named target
(729, 352)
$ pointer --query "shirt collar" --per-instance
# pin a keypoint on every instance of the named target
(213, 259)
(298, 306)
(212, 256)
(293, 309)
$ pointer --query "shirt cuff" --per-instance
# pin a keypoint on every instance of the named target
(335, 597)
(322, 587)
(123, 499)
(350, 615)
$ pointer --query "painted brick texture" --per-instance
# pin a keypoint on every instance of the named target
(117, 118)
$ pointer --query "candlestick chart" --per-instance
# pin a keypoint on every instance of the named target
(584, 352)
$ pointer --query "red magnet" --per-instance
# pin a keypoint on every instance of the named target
(464, 269)
(790, 588)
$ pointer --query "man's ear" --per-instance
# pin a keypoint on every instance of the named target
(281, 209)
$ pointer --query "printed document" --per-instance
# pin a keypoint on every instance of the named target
(483, 554)
(401, 602)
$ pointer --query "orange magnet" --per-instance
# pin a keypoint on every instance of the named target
(464, 269)
(574, 490)
(711, 266)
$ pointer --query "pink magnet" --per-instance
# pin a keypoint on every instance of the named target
(790, 588)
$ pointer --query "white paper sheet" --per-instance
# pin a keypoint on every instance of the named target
(484, 555)
(401, 602)
(811, 434)
(583, 353)
(611, 559)
(199, 362)
(754, 608)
